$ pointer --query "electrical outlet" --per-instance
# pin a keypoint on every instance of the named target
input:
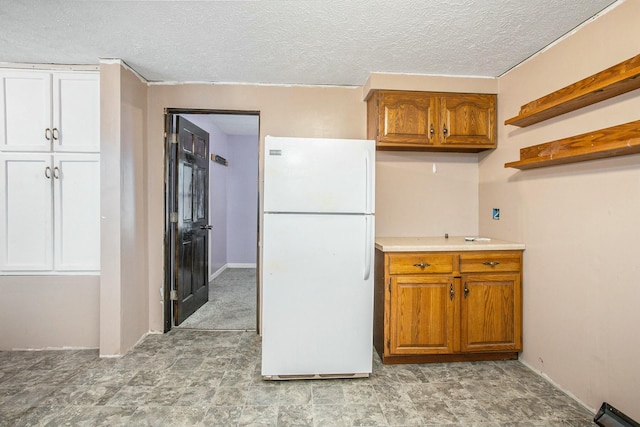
(496, 213)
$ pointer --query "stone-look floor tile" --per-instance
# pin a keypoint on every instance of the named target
(229, 396)
(469, 412)
(223, 416)
(330, 416)
(197, 396)
(365, 415)
(265, 394)
(395, 393)
(188, 377)
(163, 396)
(359, 392)
(326, 394)
(93, 416)
(435, 412)
(259, 416)
(149, 416)
(295, 415)
(186, 416)
(401, 414)
(130, 396)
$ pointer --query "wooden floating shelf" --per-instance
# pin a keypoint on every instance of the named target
(606, 84)
(609, 142)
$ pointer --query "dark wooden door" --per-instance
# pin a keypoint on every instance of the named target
(191, 227)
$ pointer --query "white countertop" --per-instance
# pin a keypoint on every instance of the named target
(441, 244)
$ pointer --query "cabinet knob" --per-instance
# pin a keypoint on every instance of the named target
(445, 131)
(466, 290)
(491, 263)
(452, 293)
(422, 265)
(432, 131)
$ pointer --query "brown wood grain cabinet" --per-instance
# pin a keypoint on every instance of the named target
(448, 306)
(431, 121)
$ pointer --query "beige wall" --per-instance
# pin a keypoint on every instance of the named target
(39, 312)
(580, 222)
(124, 299)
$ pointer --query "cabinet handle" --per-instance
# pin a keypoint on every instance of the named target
(452, 293)
(47, 134)
(445, 130)
(56, 172)
(466, 290)
(432, 131)
(47, 172)
(422, 265)
(491, 263)
(54, 134)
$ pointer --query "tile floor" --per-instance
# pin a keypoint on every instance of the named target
(207, 378)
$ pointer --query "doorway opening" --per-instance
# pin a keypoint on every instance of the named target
(211, 219)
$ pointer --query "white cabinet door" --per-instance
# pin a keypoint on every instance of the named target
(76, 112)
(26, 212)
(25, 111)
(76, 179)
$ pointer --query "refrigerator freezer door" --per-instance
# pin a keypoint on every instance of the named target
(319, 175)
(317, 286)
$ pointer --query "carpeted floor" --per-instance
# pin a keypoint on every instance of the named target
(231, 305)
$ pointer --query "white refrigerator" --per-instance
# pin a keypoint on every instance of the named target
(317, 258)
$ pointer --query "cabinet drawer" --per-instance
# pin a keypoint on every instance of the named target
(428, 263)
(490, 262)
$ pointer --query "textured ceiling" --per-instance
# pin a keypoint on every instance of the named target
(334, 42)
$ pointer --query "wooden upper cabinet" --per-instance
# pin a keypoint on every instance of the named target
(431, 121)
(404, 118)
(468, 120)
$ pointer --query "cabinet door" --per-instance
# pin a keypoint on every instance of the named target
(491, 312)
(406, 118)
(76, 180)
(422, 315)
(468, 119)
(76, 112)
(26, 212)
(25, 111)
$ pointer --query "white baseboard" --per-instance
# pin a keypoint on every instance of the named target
(231, 265)
(241, 265)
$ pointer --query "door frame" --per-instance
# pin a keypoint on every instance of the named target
(169, 156)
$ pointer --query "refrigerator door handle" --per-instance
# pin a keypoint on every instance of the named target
(368, 248)
(368, 170)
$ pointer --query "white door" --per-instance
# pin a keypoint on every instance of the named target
(76, 112)
(25, 111)
(317, 307)
(26, 212)
(76, 179)
(319, 175)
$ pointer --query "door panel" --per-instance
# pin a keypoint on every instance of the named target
(296, 178)
(76, 112)
(26, 212)
(317, 289)
(191, 233)
(25, 111)
(76, 179)
(490, 309)
(422, 314)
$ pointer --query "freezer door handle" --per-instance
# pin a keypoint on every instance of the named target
(368, 249)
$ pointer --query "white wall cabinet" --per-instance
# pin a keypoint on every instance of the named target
(49, 111)
(50, 212)
(49, 172)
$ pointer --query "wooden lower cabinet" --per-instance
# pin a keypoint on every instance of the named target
(448, 306)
